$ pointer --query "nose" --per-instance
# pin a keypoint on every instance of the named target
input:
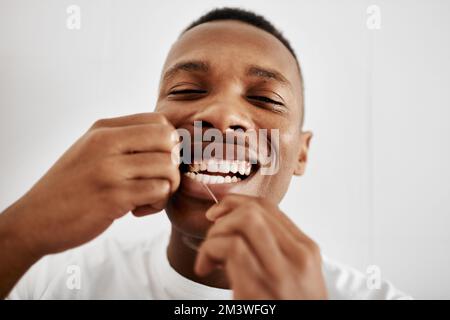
(224, 115)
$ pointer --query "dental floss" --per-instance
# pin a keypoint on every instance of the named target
(189, 244)
(209, 190)
(186, 241)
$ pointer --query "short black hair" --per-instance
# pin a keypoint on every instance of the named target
(255, 20)
(243, 16)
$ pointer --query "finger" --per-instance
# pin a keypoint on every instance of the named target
(217, 251)
(290, 226)
(142, 138)
(244, 274)
(144, 192)
(128, 120)
(246, 278)
(289, 238)
(228, 203)
(233, 200)
(258, 234)
(293, 234)
(291, 245)
(294, 244)
(149, 165)
(146, 210)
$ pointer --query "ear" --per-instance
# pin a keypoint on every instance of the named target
(305, 139)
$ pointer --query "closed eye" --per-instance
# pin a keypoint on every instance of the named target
(267, 103)
(187, 91)
(265, 99)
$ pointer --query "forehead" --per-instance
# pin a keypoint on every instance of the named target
(233, 45)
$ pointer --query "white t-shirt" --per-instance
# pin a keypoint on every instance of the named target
(108, 269)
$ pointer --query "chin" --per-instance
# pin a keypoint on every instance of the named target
(187, 215)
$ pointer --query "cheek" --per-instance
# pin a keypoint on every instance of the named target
(288, 157)
(174, 112)
(273, 187)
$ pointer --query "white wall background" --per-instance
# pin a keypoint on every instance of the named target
(378, 101)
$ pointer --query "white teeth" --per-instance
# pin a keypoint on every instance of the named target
(199, 170)
(212, 166)
(206, 178)
(220, 179)
(242, 167)
(224, 167)
(210, 179)
(199, 177)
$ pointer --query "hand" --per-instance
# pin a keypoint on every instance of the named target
(263, 253)
(120, 165)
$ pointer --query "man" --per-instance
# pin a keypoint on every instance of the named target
(231, 71)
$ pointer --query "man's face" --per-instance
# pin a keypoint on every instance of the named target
(232, 76)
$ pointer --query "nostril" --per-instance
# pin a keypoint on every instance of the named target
(237, 127)
(204, 124)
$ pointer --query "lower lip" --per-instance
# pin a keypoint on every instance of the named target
(196, 189)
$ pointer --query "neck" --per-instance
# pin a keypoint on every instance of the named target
(182, 257)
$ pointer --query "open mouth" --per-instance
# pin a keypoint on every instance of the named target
(218, 171)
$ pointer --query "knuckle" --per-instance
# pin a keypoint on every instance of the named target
(162, 186)
(309, 262)
(251, 208)
(159, 118)
(104, 172)
(166, 159)
(256, 222)
(247, 214)
(97, 138)
(309, 259)
(175, 178)
(164, 133)
(314, 249)
(170, 170)
(100, 123)
(238, 247)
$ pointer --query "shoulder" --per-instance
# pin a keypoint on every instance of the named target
(344, 282)
(104, 268)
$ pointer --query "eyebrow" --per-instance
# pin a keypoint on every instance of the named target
(190, 66)
(203, 67)
(268, 74)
